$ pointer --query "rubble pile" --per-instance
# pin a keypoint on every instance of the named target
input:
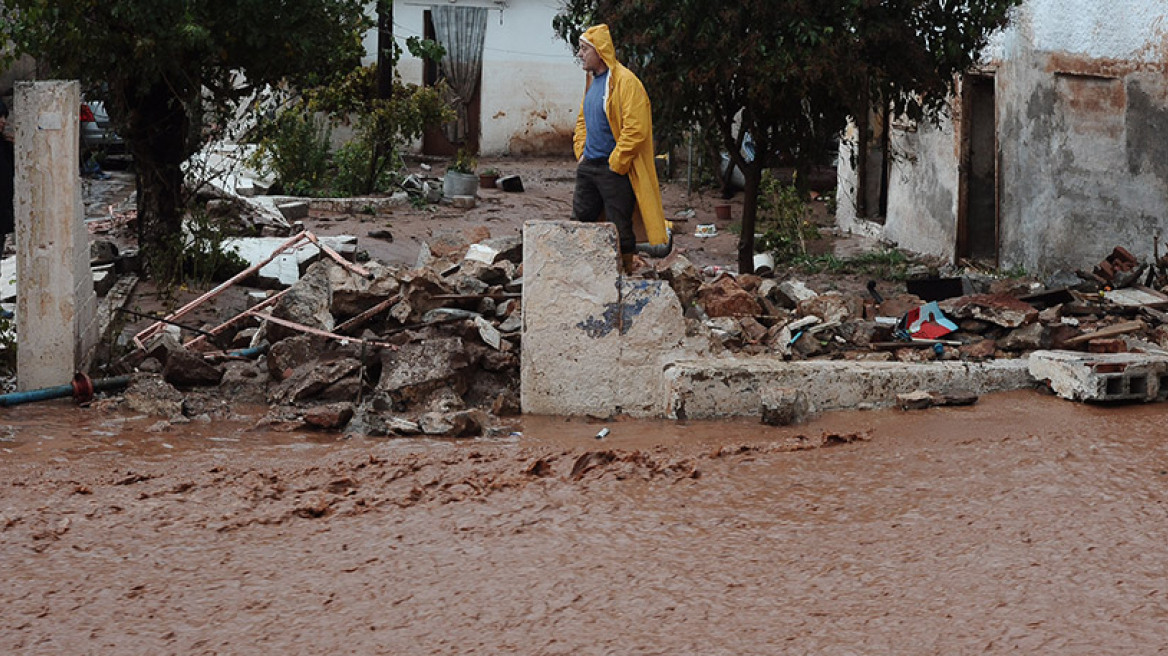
(968, 317)
(430, 350)
(434, 349)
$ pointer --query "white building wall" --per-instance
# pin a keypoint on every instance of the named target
(531, 81)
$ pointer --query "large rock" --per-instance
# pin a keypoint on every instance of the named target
(416, 368)
(307, 303)
(312, 379)
(726, 298)
(149, 394)
(333, 416)
(352, 294)
(186, 369)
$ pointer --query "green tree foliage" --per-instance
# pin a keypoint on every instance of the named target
(170, 69)
(788, 72)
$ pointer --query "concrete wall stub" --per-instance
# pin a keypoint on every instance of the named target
(593, 342)
(707, 388)
(56, 311)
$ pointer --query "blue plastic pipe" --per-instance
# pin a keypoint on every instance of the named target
(81, 389)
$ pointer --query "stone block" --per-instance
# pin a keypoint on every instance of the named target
(1102, 376)
(462, 202)
(593, 342)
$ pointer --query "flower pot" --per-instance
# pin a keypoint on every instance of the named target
(487, 181)
(459, 184)
(722, 212)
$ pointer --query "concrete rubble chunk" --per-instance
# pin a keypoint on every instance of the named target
(1000, 310)
(149, 394)
(832, 307)
(481, 253)
(509, 248)
(293, 210)
(333, 416)
(352, 294)
(464, 423)
(726, 298)
(489, 333)
(683, 277)
(418, 368)
(1102, 376)
(793, 292)
(783, 406)
(313, 378)
(186, 369)
(1027, 338)
(284, 356)
(915, 400)
(307, 303)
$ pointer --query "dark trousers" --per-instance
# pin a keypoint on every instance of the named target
(598, 190)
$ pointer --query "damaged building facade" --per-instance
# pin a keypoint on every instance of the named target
(1052, 153)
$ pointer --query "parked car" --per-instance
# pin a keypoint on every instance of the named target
(96, 132)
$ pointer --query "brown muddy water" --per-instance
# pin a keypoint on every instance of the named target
(1024, 524)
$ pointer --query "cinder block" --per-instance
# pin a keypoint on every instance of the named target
(1102, 377)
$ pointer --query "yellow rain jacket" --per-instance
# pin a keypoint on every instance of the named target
(627, 106)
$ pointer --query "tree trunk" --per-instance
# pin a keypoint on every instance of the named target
(752, 174)
(385, 47)
(157, 143)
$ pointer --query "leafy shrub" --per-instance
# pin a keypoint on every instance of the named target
(782, 220)
(294, 148)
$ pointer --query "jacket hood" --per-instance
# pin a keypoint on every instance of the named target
(598, 37)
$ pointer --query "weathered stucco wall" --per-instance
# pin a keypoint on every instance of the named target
(923, 188)
(531, 82)
(1081, 112)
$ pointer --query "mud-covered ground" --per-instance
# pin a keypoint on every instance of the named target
(1023, 524)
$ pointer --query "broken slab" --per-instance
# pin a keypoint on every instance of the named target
(707, 388)
(999, 309)
(287, 267)
(1102, 376)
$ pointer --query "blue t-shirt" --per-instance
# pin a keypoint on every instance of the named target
(598, 140)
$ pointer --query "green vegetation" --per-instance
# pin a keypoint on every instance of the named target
(294, 146)
(788, 73)
(885, 264)
(783, 223)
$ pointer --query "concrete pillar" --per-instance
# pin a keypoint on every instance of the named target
(594, 343)
(56, 306)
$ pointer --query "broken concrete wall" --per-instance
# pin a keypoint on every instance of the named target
(594, 342)
(1081, 105)
(707, 388)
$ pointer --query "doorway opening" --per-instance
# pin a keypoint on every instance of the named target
(977, 212)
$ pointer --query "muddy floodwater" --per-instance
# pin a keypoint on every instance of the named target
(1024, 524)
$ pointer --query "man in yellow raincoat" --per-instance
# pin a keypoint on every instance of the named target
(616, 174)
